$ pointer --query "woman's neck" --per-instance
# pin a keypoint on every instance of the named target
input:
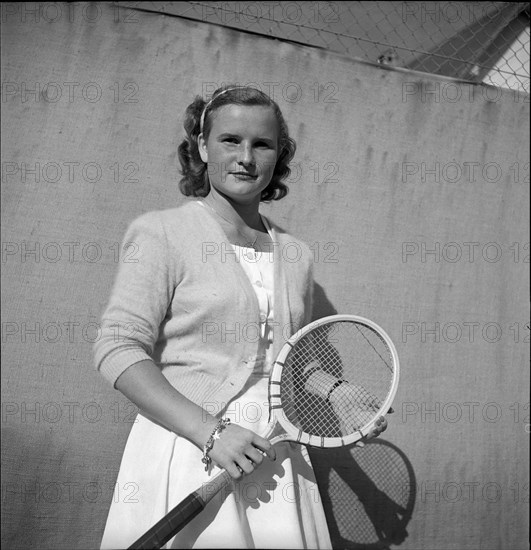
(240, 215)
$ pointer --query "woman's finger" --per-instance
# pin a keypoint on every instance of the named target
(235, 471)
(265, 446)
(255, 456)
(246, 465)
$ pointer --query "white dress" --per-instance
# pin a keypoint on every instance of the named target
(277, 506)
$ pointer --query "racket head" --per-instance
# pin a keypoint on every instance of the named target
(349, 348)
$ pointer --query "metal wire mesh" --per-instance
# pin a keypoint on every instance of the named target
(473, 41)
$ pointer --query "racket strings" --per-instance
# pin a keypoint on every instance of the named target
(336, 378)
(389, 360)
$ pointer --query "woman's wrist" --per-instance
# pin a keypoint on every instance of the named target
(200, 433)
(216, 432)
(321, 384)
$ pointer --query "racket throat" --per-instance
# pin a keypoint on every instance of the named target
(278, 434)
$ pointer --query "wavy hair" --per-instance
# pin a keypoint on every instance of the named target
(194, 181)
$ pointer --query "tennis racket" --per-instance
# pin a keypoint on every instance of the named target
(330, 383)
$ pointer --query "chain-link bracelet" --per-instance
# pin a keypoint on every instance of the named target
(220, 426)
(338, 383)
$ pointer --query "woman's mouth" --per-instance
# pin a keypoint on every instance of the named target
(245, 176)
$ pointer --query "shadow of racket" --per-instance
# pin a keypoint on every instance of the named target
(368, 494)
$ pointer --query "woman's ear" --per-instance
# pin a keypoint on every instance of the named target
(203, 151)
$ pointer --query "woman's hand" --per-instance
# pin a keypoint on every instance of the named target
(354, 406)
(381, 426)
(240, 451)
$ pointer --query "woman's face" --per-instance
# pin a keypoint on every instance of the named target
(241, 151)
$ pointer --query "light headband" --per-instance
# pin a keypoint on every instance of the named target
(202, 120)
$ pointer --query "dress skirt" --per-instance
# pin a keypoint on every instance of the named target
(277, 506)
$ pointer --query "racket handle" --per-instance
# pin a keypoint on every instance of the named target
(170, 524)
(182, 514)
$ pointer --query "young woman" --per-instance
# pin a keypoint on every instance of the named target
(201, 317)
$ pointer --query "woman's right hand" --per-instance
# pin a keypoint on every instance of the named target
(240, 451)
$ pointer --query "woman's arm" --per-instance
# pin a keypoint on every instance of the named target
(238, 450)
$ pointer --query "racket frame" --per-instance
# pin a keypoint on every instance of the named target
(278, 421)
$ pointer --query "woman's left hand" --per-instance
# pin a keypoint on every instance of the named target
(381, 426)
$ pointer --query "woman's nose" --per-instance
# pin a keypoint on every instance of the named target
(246, 156)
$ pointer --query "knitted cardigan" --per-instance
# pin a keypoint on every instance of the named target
(181, 298)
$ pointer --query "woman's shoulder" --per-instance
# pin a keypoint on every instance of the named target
(167, 218)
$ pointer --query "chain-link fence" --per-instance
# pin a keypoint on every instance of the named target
(472, 41)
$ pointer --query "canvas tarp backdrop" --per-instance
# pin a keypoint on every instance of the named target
(411, 190)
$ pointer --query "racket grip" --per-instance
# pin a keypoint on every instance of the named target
(170, 524)
(182, 514)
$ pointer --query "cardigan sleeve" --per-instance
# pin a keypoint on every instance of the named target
(139, 301)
